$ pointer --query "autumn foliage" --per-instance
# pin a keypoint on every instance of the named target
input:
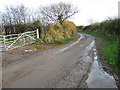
(58, 32)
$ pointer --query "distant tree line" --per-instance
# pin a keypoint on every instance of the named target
(80, 27)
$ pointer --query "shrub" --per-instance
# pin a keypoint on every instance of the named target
(37, 25)
(20, 28)
(59, 31)
(70, 28)
(108, 27)
(56, 33)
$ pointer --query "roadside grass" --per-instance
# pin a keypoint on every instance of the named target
(110, 49)
(62, 41)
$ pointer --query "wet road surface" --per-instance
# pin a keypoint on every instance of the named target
(73, 65)
(98, 78)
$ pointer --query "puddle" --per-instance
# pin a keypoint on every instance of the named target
(98, 78)
(90, 46)
(95, 64)
(86, 56)
(95, 58)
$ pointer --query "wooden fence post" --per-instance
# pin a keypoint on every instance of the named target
(4, 43)
(37, 33)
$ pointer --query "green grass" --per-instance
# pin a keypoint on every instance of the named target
(62, 41)
(110, 50)
(71, 38)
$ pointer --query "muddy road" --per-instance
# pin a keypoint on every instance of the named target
(72, 65)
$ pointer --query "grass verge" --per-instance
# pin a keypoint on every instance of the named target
(110, 50)
(62, 41)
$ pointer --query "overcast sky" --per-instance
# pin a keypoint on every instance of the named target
(96, 10)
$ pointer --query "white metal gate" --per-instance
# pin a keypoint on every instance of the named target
(17, 40)
(1, 43)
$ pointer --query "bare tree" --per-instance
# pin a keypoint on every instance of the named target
(58, 12)
(15, 15)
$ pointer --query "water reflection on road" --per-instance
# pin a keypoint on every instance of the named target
(98, 78)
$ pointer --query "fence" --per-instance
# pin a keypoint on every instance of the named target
(1, 43)
(17, 40)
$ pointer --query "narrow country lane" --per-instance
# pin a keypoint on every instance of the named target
(73, 65)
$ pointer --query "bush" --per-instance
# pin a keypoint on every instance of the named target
(70, 29)
(37, 25)
(20, 28)
(108, 27)
(57, 33)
